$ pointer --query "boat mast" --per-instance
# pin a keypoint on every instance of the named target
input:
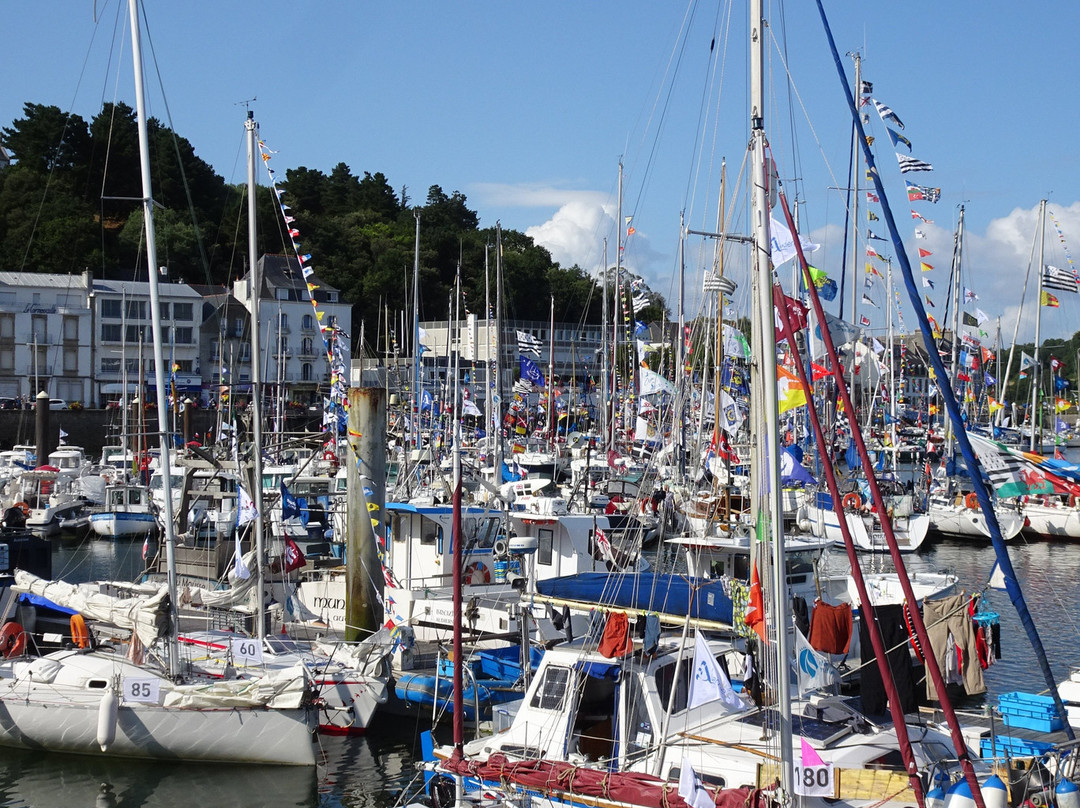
(497, 398)
(551, 378)
(616, 417)
(256, 379)
(159, 358)
(1033, 418)
(955, 350)
(767, 480)
(604, 369)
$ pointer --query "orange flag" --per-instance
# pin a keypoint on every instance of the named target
(755, 610)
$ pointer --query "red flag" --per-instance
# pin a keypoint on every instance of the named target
(924, 253)
(796, 312)
(294, 557)
(817, 372)
(755, 610)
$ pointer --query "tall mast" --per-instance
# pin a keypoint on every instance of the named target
(491, 420)
(416, 335)
(497, 412)
(155, 318)
(551, 377)
(958, 241)
(604, 368)
(856, 224)
(616, 417)
(767, 481)
(1034, 417)
(680, 355)
(256, 378)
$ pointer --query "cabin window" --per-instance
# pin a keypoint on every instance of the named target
(545, 545)
(551, 691)
(641, 728)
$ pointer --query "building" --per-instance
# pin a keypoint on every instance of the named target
(295, 362)
(46, 336)
(123, 348)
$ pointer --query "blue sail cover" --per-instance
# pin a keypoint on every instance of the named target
(644, 591)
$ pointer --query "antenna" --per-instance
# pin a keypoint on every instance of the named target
(247, 104)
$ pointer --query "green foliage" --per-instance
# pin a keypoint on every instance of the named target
(70, 201)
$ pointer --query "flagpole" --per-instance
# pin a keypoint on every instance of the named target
(956, 257)
(1032, 418)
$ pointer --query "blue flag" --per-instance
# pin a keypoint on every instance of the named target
(425, 400)
(990, 380)
(289, 504)
(530, 372)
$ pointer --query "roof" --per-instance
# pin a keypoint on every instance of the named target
(44, 279)
(283, 272)
(141, 289)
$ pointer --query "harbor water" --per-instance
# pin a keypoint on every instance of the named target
(373, 771)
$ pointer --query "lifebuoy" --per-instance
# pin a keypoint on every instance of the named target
(477, 573)
(12, 640)
(22, 506)
(852, 500)
(972, 501)
(80, 634)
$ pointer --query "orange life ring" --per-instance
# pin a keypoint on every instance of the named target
(852, 500)
(477, 573)
(80, 634)
(12, 640)
(972, 501)
(22, 506)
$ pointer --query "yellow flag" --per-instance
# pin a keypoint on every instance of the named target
(789, 392)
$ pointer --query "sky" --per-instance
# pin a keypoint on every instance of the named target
(528, 110)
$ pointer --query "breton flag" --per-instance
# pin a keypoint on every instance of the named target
(527, 343)
(921, 192)
(887, 115)
(896, 138)
(912, 164)
(1060, 279)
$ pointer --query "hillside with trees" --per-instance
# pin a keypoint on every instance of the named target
(69, 202)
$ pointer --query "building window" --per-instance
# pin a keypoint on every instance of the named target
(7, 326)
(71, 360)
(135, 333)
(111, 332)
(183, 335)
(71, 328)
(305, 346)
(39, 328)
(135, 310)
(283, 321)
(110, 365)
(215, 350)
(308, 322)
(305, 372)
(111, 310)
(164, 309)
(7, 360)
(183, 311)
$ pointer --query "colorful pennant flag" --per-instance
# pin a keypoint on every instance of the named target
(925, 266)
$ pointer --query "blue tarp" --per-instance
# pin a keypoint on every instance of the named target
(644, 591)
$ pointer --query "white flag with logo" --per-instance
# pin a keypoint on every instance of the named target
(708, 681)
(691, 789)
(814, 669)
(247, 512)
(731, 417)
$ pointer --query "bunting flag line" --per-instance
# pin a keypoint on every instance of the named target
(897, 138)
(1064, 246)
(887, 115)
(921, 192)
(527, 343)
(1058, 278)
(908, 163)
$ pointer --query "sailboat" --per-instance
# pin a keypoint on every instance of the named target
(94, 701)
(624, 724)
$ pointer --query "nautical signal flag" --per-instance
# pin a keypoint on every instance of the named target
(887, 115)
(924, 253)
(969, 295)
(897, 139)
(872, 197)
(789, 391)
(871, 216)
(929, 302)
(926, 282)
(1049, 300)
(864, 321)
(925, 266)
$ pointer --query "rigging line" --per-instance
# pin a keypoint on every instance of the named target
(796, 160)
(179, 161)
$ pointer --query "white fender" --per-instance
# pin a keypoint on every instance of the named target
(994, 793)
(1067, 795)
(106, 720)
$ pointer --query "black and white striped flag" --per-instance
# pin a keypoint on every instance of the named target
(527, 343)
(522, 387)
(640, 301)
(1058, 278)
(911, 164)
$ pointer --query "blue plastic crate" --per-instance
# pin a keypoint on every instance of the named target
(1017, 747)
(1029, 711)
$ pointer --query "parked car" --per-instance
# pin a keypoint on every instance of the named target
(57, 404)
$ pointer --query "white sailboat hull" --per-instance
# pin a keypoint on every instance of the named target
(66, 715)
(960, 522)
(1053, 521)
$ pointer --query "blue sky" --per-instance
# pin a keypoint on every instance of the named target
(528, 108)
